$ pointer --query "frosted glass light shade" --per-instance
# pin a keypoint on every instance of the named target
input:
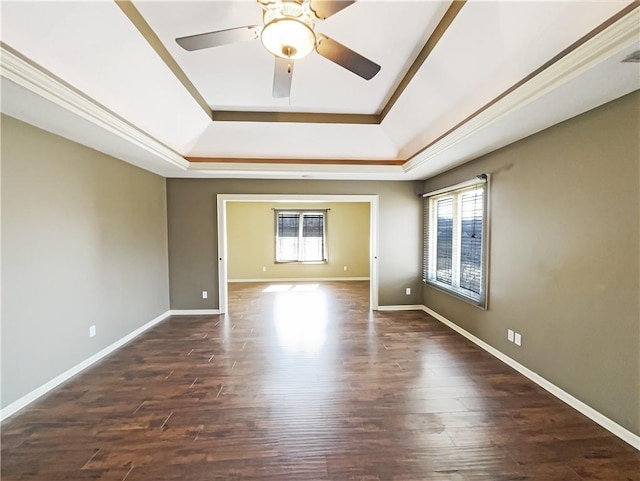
(288, 38)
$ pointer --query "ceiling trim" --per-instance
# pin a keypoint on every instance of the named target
(291, 117)
(446, 21)
(235, 160)
(152, 39)
(294, 117)
(613, 35)
(610, 37)
(316, 171)
(31, 76)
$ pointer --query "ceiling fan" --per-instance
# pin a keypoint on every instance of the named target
(289, 34)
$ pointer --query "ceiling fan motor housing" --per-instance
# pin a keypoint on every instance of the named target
(288, 33)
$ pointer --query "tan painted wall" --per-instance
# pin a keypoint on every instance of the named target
(565, 229)
(84, 242)
(251, 245)
(193, 233)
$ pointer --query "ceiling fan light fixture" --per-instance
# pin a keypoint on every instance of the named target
(288, 38)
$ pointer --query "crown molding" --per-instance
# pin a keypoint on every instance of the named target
(343, 167)
(43, 83)
(614, 35)
(295, 117)
(302, 161)
(288, 171)
(608, 39)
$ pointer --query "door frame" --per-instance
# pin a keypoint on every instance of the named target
(222, 200)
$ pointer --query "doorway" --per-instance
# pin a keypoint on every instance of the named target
(223, 200)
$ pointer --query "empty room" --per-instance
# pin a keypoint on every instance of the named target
(320, 240)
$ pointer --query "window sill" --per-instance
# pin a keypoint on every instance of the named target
(479, 301)
(301, 262)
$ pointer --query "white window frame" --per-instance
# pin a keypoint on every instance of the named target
(302, 213)
(430, 241)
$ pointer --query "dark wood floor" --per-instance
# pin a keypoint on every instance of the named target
(304, 383)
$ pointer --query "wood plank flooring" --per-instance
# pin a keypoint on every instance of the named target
(302, 382)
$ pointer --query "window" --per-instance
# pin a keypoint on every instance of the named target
(301, 236)
(455, 240)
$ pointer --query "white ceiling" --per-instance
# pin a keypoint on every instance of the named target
(84, 71)
(240, 76)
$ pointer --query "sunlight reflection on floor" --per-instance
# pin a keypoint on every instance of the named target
(305, 287)
(300, 317)
(277, 288)
(290, 287)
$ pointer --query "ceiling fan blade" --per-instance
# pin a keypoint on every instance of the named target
(282, 76)
(347, 58)
(221, 37)
(325, 8)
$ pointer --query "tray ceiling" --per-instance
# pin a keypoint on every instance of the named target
(452, 73)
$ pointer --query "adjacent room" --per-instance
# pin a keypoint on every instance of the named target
(320, 240)
(298, 241)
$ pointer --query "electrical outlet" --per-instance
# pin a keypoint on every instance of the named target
(510, 335)
(517, 339)
(345, 268)
(205, 294)
(407, 291)
(264, 269)
(92, 331)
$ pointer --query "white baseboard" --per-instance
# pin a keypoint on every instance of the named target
(27, 399)
(301, 279)
(403, 307)
(194, 312)
(575, 403)
(580, 406)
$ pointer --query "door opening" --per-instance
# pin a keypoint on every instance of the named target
(223, 240)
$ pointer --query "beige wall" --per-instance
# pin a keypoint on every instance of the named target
(84, 242)
(565, 257)
(251, 241)
(193, 233)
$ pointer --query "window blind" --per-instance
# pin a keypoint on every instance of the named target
(300, 236)
(444, 241)
(455, 240)
(287, 237)
(472, 205)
